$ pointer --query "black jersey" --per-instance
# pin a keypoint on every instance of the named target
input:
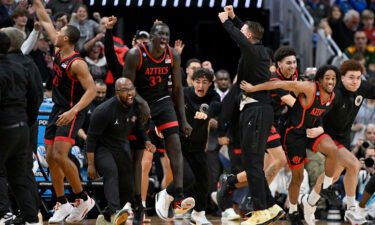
(152, 74)
(66, 90)
(304, 117)
(338, 122)
(277, 104)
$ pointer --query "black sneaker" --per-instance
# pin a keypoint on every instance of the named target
(330, 194)
(139, 212)
(295, 218)
(224, 192)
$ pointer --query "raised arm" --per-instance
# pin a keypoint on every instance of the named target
(109, 51)
(45, 20)
(178, 95)
(304, 87)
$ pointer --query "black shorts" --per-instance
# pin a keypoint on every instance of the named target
(66, 133)
(341, 142)
(295, 144)
(164, 117)
(273, 139)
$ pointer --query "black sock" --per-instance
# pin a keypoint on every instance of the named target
(82, 195)
(178, 193)
(232, 180)
(61, 199)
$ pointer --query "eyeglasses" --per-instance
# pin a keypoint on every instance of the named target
(125, 89)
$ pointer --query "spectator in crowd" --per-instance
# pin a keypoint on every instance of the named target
(343, 30)
(96, 61)
(318, 10)
(191, 66)
(223, 83)
(367, 18)
(207, 65)
(140, 37)
(87, 27)
(65, 6)
(360, 45)
(335, 13)
(366, 141)
(61, 19)
(359, 57)
(19, 17)
(346, 5)
(6, 9)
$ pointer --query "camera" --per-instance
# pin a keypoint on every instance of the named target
(365, 144)
(369, 162)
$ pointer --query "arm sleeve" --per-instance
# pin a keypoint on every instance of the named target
(140, 132)
(237, 22)
(98, 123)
(110, 55)
(30, 42)
(238, 36)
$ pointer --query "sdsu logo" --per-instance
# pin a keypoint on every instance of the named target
(358, 100)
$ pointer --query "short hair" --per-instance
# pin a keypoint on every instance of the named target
(256, 29)
(100, 82)
(370, 125)
(193, 60)
(20, 11)
(203, 73)
(73, 34)
(283, 52)
(222, 71)
(350, 65)
(4, 43)
(367, 14)
(153, 28)
(58, 15)
(16, 37)
(323, 69)
(350, 14)
(82, 6)
(358, 56)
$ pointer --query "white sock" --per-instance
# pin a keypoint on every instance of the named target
(313, 198)
(292, 208)
(350, 202)
(327, 181)
(144, 204)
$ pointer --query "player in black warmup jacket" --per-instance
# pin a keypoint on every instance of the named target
(304, 129)
(149, 66)
(256, 114)
(349, 96)
(108, 149)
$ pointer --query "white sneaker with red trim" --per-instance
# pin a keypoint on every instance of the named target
(80, 210)
(60, 212)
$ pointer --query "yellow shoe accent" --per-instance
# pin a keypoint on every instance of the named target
(276, 212)
(260, 217)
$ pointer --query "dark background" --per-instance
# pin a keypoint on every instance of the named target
(199, 28)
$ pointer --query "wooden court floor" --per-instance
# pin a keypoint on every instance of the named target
(214, 220)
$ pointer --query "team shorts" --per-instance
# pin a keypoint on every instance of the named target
(273, 139)
(66, 133)
(295, 144)
(164, 117)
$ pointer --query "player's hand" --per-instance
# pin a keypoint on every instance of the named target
(246, 86)
(158, 133)
(96, 16)
(144, 112)
(65, 118)
(91, 172)
(223, 16)
(314, 132)
(229, 10)
(150, 147)
(179, 46)
(111, 22)
(223, 140)
(212, 123)
(200, 116)
(186, 128)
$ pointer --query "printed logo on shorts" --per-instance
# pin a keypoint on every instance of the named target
(116, 122)
(358, 100)
(296, 159)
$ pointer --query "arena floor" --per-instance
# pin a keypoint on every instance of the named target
(214, 220)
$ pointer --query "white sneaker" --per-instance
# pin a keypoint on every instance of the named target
(27, 223)
(354, 216)
(80, 210)
(213, 197)
(308, 211)
(162, 202)
(8, 216)
(102, 221)
(229, 214)
(40, 218)
(199, 218)
(128, 207)
(61, 211)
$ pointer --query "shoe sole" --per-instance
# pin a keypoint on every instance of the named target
(122, 218)
(186, 205)
(157, 210)
(280, 215)
(194, 223)
(351, 222)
